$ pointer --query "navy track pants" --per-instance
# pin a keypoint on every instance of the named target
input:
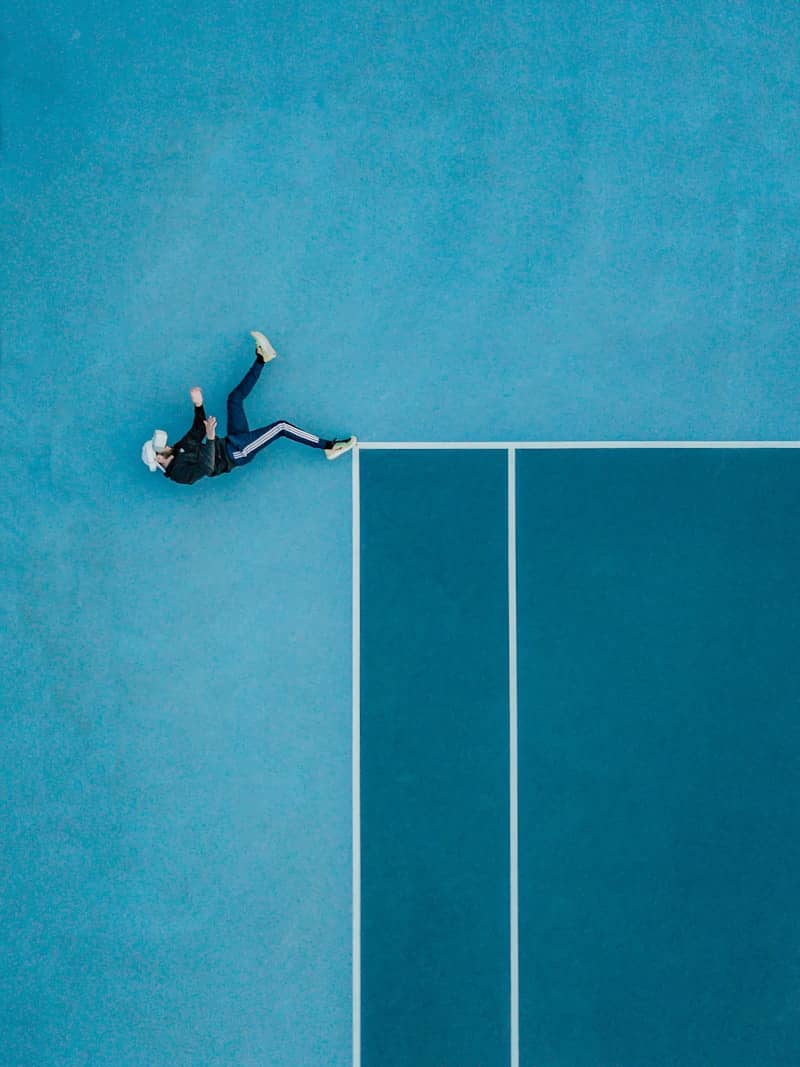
(242, 442)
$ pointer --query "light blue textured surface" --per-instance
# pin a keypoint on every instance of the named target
(507, 221)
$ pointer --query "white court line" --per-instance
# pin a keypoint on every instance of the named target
(513, 753)
(505, 445)
(356, 763)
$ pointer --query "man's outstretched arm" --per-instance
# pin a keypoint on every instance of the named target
(198, 428)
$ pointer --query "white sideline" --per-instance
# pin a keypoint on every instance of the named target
(513, 754)
(356, 757)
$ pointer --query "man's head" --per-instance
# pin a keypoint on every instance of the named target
(155, 447)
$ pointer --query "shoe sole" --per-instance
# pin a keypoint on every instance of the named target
(340, 451)
(267, 353)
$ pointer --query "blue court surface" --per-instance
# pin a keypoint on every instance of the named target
(269, 795)
(579, 751)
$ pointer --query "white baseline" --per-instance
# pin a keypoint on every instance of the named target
(572, 444)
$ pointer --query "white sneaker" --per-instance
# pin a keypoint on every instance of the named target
(338, 448)
(263, 347)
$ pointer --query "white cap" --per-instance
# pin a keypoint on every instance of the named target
(157, 443)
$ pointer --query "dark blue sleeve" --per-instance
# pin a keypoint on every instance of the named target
(198, 428)
(207, 457)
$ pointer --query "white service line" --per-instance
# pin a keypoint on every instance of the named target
(513, 753)
(505, 445)
(356, 743)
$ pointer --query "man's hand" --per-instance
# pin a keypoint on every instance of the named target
(197, 396)
(211, 428)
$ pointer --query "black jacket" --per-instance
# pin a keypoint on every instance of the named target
(193, 458)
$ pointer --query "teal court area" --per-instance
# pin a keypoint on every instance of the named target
(579, 744)
(511, 221)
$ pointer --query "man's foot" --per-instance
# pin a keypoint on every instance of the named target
(339, 447)
(264, 349)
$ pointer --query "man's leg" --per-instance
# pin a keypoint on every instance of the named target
(243, 446)
(237, 420)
